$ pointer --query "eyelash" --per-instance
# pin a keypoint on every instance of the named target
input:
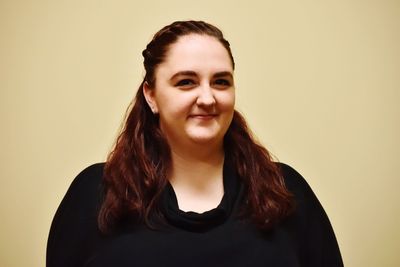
(222, 82)
(185, 83)
(188, 83)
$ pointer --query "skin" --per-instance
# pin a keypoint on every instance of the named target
(194, 96)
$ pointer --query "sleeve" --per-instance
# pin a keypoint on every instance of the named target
(74, 234)
(319, 247)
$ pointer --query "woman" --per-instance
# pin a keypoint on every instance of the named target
(186, 184)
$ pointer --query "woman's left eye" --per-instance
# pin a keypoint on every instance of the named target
(222, 83)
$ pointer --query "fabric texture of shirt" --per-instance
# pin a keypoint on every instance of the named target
(213, 238)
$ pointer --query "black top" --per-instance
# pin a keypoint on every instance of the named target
(212, 238)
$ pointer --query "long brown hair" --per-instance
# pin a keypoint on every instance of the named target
(135, 173)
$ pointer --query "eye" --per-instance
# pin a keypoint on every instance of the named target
(185, 83)
(222, 83)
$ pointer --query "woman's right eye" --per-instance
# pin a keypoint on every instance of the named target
(185, 83)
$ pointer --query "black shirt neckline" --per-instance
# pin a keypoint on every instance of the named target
(200, 222)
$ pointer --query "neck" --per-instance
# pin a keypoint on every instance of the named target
(196, 164)
(196, 175)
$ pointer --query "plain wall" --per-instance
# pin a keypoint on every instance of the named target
(318, 82)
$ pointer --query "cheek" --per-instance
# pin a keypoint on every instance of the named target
(226, 100)
(175, 105)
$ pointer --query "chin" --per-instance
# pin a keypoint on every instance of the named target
(205, 138)
(211, 134)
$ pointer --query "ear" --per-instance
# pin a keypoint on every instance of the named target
(149, 96)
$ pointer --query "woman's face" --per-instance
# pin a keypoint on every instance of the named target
(194, 92)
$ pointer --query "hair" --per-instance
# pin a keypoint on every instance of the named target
(135, 173)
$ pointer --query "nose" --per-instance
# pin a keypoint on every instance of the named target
(205, 96)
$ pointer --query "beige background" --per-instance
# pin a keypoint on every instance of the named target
(318, 81)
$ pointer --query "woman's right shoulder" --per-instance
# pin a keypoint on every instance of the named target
(86, 186)
(85, 191)
(90, 176)
(74, 225)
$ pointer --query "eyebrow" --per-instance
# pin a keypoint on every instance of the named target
(183, 73)
(223, 74)
(192, 73)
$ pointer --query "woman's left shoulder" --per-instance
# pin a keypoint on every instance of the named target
(304, 196)
(294, 181)
(319, 244)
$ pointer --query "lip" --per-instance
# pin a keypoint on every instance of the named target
(203, 116)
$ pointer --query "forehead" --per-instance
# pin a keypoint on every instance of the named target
(197, 53)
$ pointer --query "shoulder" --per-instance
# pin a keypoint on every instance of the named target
(82, 198)
(304, 196)
(86, 185)
(294, 181)
(74, 225)
(86, 189)
(314, 230)
(90, 175)
(307, 206)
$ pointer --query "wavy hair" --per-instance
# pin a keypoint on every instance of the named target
(135, 173)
